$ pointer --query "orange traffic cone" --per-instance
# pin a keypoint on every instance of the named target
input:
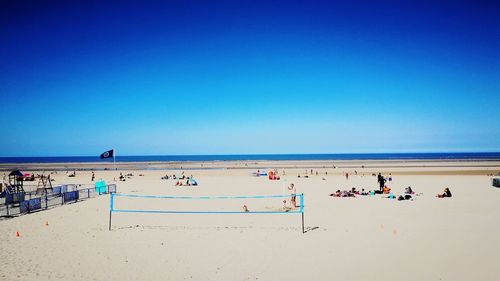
(17, 234)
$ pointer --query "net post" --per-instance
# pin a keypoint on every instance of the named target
(110, 209)
(302, 211)
(303, 231)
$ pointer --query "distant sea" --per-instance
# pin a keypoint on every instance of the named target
(255, 157)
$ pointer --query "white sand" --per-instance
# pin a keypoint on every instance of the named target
(363, 238)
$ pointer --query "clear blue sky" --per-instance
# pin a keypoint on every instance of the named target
(227, 77)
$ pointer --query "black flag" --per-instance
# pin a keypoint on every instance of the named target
(107, 154)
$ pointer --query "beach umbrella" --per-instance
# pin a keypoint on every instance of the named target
(16, 173)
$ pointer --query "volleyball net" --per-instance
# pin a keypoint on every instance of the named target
(261, 204)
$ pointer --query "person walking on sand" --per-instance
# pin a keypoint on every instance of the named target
(347, 176)
(93, 176)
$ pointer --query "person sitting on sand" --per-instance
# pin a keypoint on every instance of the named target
(346, 193)
(245, 209)
(286, 208)
(447, 193)
(408, 190)
(386, 190)
(391, 196)
(406, 197)
(343, 193)
(336, 194)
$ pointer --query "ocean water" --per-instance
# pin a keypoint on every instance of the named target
(179, 158)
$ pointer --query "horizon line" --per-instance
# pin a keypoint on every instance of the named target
(250, 154)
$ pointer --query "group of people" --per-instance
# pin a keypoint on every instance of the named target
(189, 182)
(292, 204)
(349, 193)
(181, 180)
(124, 177)
(382, 180)
(384, 189)
(174, 177)
(288, 205)
(311, 172)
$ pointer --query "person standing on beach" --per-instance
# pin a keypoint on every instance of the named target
(347, 176)
(293, 201)
(93, 176)
(381, 183)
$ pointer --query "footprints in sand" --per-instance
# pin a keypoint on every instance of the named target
(218, 228)
(394, 230)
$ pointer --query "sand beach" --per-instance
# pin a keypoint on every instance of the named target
(354, 238)
(249, 140)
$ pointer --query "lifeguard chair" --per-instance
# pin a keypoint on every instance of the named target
(14, 193)
(16, 181)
